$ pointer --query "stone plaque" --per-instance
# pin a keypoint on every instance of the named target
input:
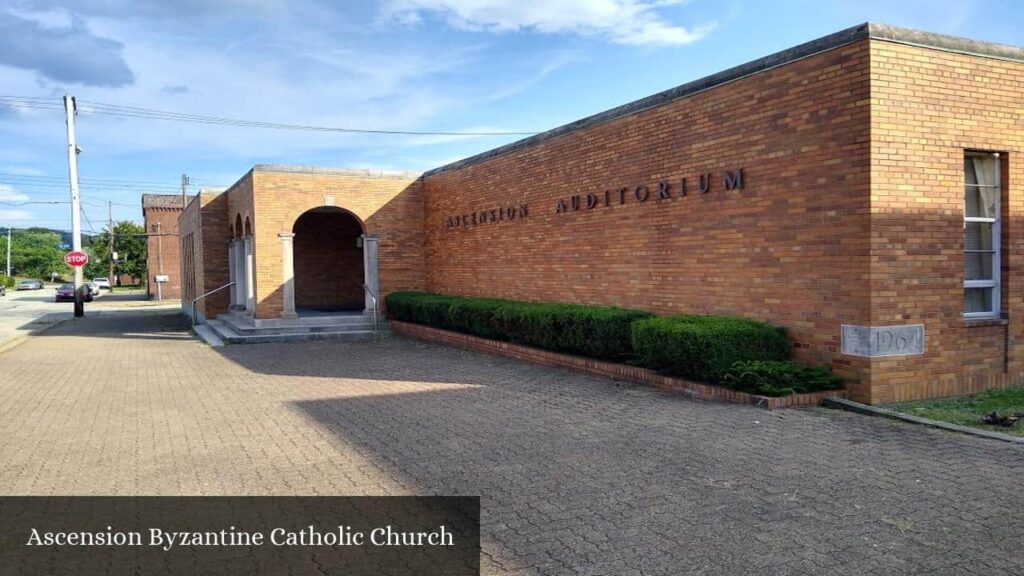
(883, 340)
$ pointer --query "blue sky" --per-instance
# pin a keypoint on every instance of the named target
(421, 65)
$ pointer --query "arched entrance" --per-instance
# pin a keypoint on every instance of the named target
(328, 261)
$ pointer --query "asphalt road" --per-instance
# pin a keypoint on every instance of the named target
(24, 311)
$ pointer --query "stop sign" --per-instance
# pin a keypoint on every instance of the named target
(76, 259)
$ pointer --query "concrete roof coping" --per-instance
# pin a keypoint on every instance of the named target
(327, 171)
(868, 30)
(956, 44)
(172, 201)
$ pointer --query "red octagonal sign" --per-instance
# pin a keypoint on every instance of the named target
(76, 259)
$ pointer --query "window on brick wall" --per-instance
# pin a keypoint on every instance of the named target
(981, 235)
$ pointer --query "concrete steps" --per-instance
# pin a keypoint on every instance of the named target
(206, 334)
(234, 330)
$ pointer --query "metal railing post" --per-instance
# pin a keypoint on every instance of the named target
(211, 292)
(373, 297)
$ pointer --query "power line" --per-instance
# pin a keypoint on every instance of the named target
(91, 202)
(93, 185)
(35, 219)
(87, 203)
(101, 108)
(35, 202)
(87, 221)
(54, 183)
(64, 180)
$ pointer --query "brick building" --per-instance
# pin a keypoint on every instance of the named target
(160, 213)
(861, 190)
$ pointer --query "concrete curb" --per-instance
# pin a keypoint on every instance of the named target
(614, 370)
(6, 345)
(16, 340)
(851, 406)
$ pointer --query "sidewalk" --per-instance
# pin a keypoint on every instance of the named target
(578, 474)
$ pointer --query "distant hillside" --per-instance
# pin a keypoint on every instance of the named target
(65, 236)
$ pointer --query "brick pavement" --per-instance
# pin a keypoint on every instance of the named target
(578, 474)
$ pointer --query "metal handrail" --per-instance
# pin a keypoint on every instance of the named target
(214, 291)
(374, 298)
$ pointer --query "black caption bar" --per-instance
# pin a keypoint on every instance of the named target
(157, 535)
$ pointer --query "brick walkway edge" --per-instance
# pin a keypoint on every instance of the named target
(609, 369)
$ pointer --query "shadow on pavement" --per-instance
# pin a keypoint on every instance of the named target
(370, 359)
(145, 324)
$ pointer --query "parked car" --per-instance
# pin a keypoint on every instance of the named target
(66, 293)
(30, 285)
(102, 283)
(93, 288)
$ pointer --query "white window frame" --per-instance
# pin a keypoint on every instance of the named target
(997, 241)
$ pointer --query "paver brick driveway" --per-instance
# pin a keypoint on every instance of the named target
(578, 474)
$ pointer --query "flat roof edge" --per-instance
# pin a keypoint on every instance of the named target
(945, 43)
(327, 171)
(868, 30)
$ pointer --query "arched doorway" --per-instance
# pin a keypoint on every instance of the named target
(328, 261)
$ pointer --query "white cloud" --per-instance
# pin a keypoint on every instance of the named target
(340, 71)
(14, 215)
(9, 194)
(634, 22)
(71, 54)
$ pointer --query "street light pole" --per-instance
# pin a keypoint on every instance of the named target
(8, 250)
(76, 210)
(110, 246)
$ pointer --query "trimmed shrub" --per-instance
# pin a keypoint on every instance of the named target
(7, 281)
(779, 378)
(706, 347)
(595, 331)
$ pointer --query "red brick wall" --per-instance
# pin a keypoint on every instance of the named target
(928, 107)
(850, 213)
(215, 255)
(790, 247)
(389, 207)
(328, 263)
(163, 251)
(190, 245)
(207, 269)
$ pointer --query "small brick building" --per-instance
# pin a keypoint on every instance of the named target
(862, 190)
(160, 213)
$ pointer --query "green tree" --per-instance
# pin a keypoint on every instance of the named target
(130, 246)
(34, 253)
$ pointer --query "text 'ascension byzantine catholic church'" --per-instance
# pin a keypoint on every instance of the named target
(862, 190)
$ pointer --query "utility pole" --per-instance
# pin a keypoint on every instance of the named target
(8, 250)
(184, 190)
(159, 263)
(76, 210)
(110, 246)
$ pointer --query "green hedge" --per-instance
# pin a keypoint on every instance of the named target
(7, 281)
(775, 378)
(706, 347)
(595, 331)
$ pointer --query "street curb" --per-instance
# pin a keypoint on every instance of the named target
(13, 342)
(19, 339)
(614, 370)
(852, 406)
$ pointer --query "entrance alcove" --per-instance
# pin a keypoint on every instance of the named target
(328, 261)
